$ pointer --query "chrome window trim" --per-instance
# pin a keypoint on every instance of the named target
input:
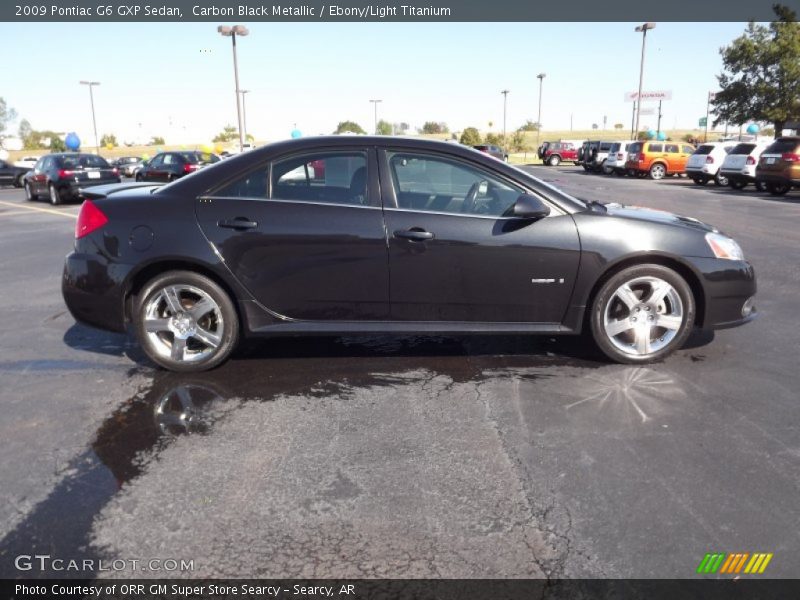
(278, 200)
(447, 214)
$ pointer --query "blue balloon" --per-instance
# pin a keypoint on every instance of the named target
(650, 134)
(72, 141)
(296, 133)
(662, 136)
(753, 128)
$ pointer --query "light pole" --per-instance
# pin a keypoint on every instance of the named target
(232, 32)
(505, 101)
(375, 103)
(244, 113)
(91, 84)
(643, 28)
(541, 77)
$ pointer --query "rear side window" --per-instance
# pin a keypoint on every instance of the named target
(704, 149)
(671, 148)
(782, 146)
(743, 149)
(330, 177)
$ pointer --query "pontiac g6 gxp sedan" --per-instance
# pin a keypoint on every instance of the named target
(395, 236)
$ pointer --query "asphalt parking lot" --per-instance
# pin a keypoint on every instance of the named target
(404, 456)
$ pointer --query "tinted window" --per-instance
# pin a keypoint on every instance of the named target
(605, 146)
(687, 149)
(656, 148)
(704, 149)
(637, 147)
(199, 157)
(743, 149)
(83, 161)
(445, 185)
(170, 159)
(331, 177)
(671, 148)
(615, 147)
(782, 145)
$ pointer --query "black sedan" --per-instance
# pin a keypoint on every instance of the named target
(169, 166)
(11, 174)
(337, 235)
(62, 176)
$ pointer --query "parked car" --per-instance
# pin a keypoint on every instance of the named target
(739, 167)
(657, 159)
(401, 235)
(61, 176)
(168, 166)
(779, 166)
(617, 155)
(704, 164)
(132, 168)
(495, 151)
(11, 174)
(27, 162)
(596, 159)
(124, 161)
(558, 152)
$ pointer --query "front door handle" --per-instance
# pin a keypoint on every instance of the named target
(238, 223)
(415, 235)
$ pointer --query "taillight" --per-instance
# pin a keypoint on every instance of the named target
(115, 170)
(90, 219)
(640, 158)
(709, 160)
(64, 174)
(790, 157)
(750, 160)
(189, 168)
(619, 155)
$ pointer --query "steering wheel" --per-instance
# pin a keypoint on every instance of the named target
(468, 205)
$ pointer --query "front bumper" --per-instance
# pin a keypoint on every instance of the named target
(93, 290)
(728, 286)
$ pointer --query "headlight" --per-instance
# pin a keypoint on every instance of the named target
(724, 247)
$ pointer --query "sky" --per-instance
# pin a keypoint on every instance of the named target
(176, 80)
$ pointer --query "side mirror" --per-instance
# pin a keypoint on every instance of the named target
(529, 207)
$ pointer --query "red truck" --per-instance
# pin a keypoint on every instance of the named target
(557, 152)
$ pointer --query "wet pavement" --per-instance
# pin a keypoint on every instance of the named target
(381, 456)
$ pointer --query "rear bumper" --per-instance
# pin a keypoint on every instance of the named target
(738, 175)
(72, 189)
(779, 178)
(728, 285)
(92, 288)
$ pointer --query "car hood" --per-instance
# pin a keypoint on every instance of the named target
(653, 215)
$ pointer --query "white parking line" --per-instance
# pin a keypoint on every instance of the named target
(37, 209)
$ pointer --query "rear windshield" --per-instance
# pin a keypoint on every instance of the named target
(481, 147)
(83, 161)
(704, 149)
(782, 145)
(743, 149)
(637, 147)
(615, 147)
(605, 146)
(194, 158)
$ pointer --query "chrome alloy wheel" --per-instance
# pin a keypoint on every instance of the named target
(183, 323)
(643, 316)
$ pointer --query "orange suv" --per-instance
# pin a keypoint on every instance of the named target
(779, 166)
(657, 159)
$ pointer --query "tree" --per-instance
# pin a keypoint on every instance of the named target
(518, 143)
(228, 134)
(760, 80)
(384, 128)
(618, 125)
(56, 143)
(529, 126)
(110, 138)
(470, 137)
(156, 140)
(495, 139)
(349, 127)
(24, 130)
(434, 127)
(401, 128)
(7, 114)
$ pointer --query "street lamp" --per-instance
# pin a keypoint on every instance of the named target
(244, 113)
(91, 84)
(232, 32)
(541, 77)
(375, 103)
(643, 28)
(505, 100)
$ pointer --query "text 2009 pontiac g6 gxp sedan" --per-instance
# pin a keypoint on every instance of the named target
(337, 235)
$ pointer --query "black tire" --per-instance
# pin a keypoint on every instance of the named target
(55, 195)
(607, 294)
(620, 172)
(778, 189)
(759, 186)
(29, 195)
(737, 184)
(700, 180)
(720, 180)
(154, 348)
(19, 181)
(554, 160)
(138, 177)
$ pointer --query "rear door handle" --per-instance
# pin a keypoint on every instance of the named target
(238, 223)
(415, 235)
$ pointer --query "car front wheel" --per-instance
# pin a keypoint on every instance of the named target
(186, 322)
(642, 314)
(553, 161)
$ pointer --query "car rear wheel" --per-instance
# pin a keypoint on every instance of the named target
(553, 161)
(778, 189)
(29, 195)
(606, 170)
(186, 322)
(55, 195)
(138, 177)
(720, 180)
(737, 184)
(19, 181)
(700, 180)
(658, 171)
(759, 186)
(642, 314)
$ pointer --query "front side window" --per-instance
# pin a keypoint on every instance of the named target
(434, 184)
(671, 148)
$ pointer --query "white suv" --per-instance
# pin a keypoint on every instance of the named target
(740, 164)
(617, 155)
(704, 164)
